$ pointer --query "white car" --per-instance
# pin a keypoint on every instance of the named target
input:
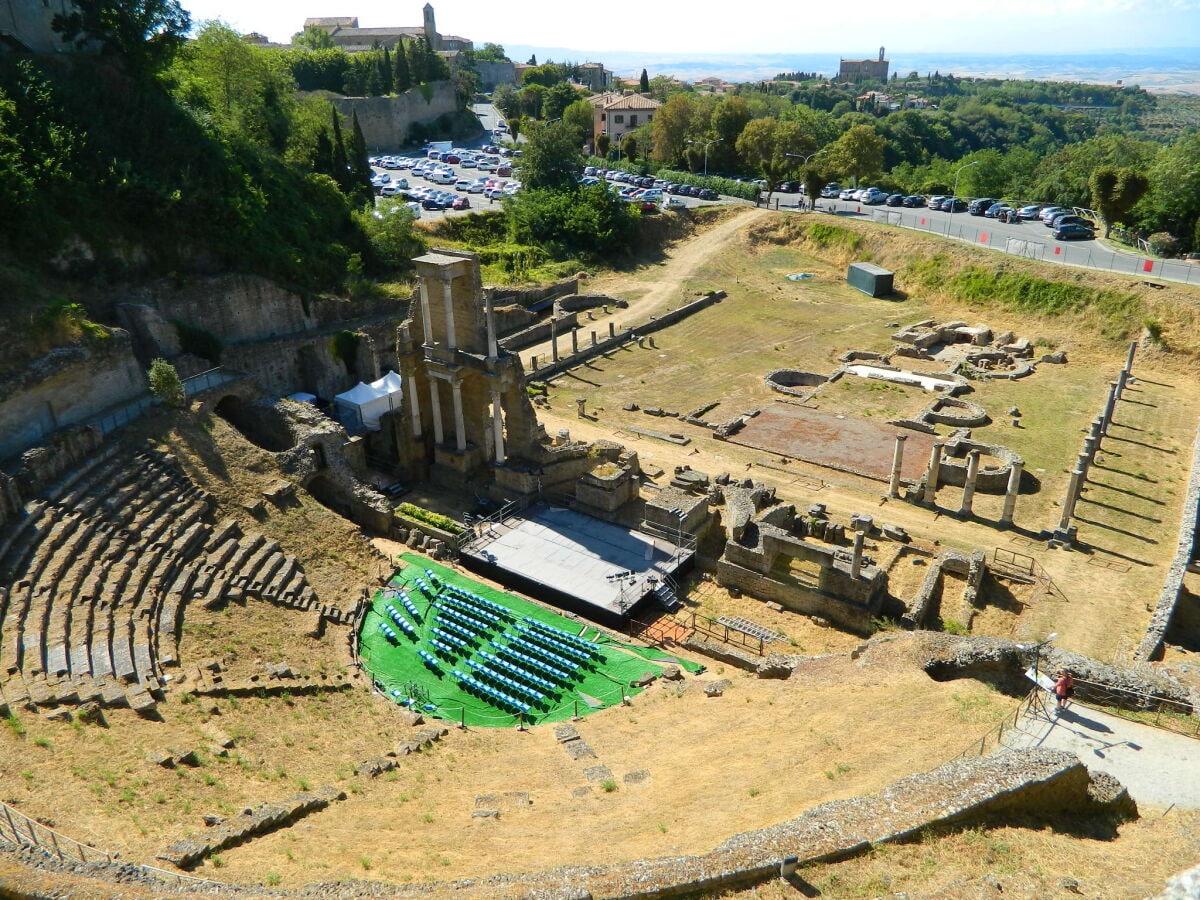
(463, 184)
(389, 190)
(673, 203)
(478, 186)
(469, 162)
(441, 176)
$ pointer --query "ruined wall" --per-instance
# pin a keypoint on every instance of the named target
(386, 121)
(67, 386)
(1152, 644)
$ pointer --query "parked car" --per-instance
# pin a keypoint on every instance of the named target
(874, 196)
(979, 206)
(673, 203)
(460, 203)
(1048, 214)
(1030, 212)
(831, 190)
(954, 204)
(895, 200)
(709, 194)
(1073, 231)
(935, 202)
(912, 201)
(1071, 219)
(847, 194)
(993, 211)
(432, 203)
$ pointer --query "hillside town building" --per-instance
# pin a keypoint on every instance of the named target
(863, 69)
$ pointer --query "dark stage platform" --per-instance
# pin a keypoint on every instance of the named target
(601, 571)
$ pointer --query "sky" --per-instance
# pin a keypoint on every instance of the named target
(853, 30)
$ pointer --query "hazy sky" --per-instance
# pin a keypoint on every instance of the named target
(759, 26)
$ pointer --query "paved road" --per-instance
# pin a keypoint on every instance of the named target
(1032, 240)
(1159, 768)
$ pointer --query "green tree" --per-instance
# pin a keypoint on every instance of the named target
(165, 383)
(313, 37)
(629, 147)
(393, 240)
(361, 191)
(603, 145)
(858, 153)
(401, 76)
(764, 145)
(578, 116)
(1115, 192)
(146, 34)
(506, 99)
(532, 96)
(551, 158)
(490, 52)
(417, 61)
(558, 98)
(341, 162)
(814, 183)
(587, 222)
(644, 83)
(674, 124)
(1174, 202)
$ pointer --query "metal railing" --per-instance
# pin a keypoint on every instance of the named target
(1138, 706)
(690, 620)
(203, 381)
(18, 828)
(994, 737)
(1036, 244)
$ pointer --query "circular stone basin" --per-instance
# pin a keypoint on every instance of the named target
(786, 380)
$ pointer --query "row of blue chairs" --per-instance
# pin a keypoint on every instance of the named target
(443, 648)
(472, 609)
(430, 660)
(389, 632)
(457, 644)
(490, 605)
(528, 694)
(568, 665)
(454, 615)
(553, 645)
(464, 634)
(536, 680)
(533, 662)
(410, 606)
(498, 697)
(573, 639)
(404, 624)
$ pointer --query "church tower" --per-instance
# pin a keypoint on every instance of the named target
(431, 35)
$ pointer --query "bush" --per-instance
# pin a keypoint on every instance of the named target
(437, 520)
(588, 222)
(1163, 244)
(165, 383)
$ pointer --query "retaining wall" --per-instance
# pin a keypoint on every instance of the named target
(386, 121)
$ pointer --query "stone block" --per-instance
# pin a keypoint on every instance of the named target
(162, 758)
(598, 773)
(640, 776)
(716, 688)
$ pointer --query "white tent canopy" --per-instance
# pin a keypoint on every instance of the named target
(363, 404)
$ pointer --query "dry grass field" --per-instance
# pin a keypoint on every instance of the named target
(763, 752)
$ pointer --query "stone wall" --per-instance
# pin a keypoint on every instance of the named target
(386, 121)
(494, 73)
(846, 614)
(67, 386)
(535, 334)
(1152, 643)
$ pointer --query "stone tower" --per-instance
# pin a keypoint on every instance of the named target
(880, 49)
(431, 34)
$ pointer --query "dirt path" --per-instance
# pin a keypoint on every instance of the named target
(683, 261)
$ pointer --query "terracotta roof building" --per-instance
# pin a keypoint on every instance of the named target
(618, 114)
(346, 33)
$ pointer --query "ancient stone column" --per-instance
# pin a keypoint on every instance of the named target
(414, 402)
(968, 497)
(426, 324)
(897, 462)
(574, 340)
(490, 311)
(931, 478)
(554, 339)
(1070, 500)
(451, 335)
(1129, 358)
(581, 402)
(593, 337)
(533, 362)
(1121, 378)
(498, 428)
(460, 426)
(1010, 496)
(856, 561)
(1110, 406)
(436, 403)
(1089, 449)
(612, 330)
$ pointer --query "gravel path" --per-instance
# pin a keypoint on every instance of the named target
(1159, 768)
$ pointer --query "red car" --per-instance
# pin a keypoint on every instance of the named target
(460, 203)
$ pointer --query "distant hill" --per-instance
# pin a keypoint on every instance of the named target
(1171, 70)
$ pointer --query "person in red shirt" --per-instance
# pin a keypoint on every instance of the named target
(1064, 687)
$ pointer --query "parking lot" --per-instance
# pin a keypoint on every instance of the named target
(478, 173)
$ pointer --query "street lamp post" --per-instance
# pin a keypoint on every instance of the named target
(954, 197)
(804, 162)
(707, 144)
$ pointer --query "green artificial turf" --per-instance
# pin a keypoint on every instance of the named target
(406, 678)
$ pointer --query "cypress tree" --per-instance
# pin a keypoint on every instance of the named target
(386, 72)
(401, 76)
(416, 61)
(341, 172)
(644, 83)
(323, 154)
(361, 191)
